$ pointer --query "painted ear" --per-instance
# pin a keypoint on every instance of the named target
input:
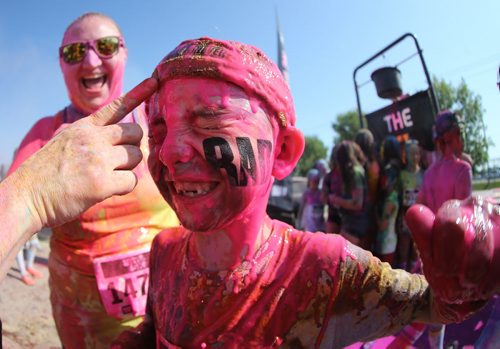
(290, 146)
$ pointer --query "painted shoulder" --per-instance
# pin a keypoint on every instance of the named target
(170, 236)
(329, 250)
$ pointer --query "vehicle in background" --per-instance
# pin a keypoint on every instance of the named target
(285, 197)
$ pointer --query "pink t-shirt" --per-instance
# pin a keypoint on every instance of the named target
(446, 179)
(302, 290)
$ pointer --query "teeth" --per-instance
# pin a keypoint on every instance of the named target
(90, 81)
(93, 76)
(193, 188)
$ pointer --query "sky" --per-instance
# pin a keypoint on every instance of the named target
(324, 41)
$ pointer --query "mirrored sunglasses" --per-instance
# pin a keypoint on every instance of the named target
(105, 48)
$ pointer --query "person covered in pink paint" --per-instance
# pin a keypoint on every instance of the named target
(222, 127)
(448, 178)
(437, 186)
(98, 261)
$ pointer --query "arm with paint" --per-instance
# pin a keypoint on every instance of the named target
(86, 163)
(375, 300)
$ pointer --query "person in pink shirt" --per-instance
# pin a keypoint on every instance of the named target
(447, 178)
(222, 127)
(98, 262)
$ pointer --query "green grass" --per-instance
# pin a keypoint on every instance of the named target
(483, 185)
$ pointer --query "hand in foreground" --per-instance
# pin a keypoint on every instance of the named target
(460, 248)
(87, 162)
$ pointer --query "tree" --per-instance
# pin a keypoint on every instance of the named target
(467, 104)
(346, 126)
(313, 151)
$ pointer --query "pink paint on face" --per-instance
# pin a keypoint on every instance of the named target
(93, 82)
(203, 123)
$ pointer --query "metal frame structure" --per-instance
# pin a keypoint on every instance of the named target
(394, 43)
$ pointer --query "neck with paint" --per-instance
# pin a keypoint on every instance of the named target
(238, 241)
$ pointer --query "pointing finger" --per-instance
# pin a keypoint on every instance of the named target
(117, 109)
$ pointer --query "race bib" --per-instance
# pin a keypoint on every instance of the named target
(123, 281)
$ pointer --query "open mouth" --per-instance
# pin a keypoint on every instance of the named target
(94, 82)
(194, 189)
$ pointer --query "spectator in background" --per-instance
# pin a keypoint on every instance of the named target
(311, 209)
(364, 139)
(437, 186)
(332, 184)
(385, 245)
(411, 180)
(322, 166)
(447, 178)
(352, 201)
(390, 156)
(25, 260)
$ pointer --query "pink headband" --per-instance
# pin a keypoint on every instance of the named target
(234, 62)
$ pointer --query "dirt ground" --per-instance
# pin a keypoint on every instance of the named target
(25, 310)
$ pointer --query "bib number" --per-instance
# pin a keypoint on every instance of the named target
(123, 280)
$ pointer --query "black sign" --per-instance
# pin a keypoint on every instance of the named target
(409, 118)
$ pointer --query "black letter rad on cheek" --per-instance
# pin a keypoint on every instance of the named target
(247, 159)
(226, 159)
(264, 148)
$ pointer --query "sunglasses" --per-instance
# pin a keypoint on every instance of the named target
(105, 48)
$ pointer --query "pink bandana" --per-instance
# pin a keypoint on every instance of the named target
(240, 64)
